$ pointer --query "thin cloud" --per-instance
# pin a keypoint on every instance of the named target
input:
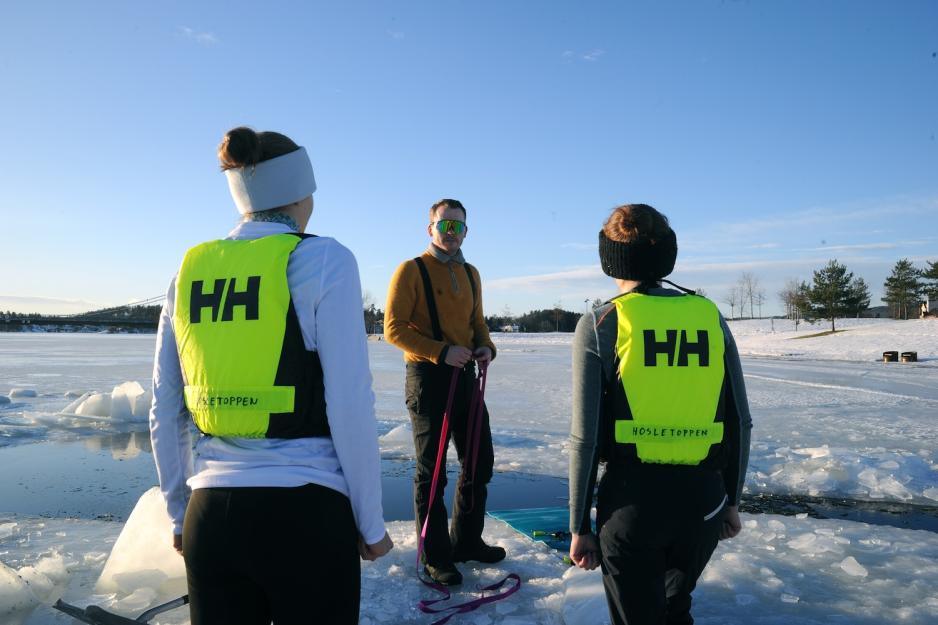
(577, 276)
(202, 38)
(539, 282)
(591, 56)
(396, 34)
(764, 246)
(802, 220)
(822, 222)
(747, 265)
(46, 305)
(713, 256)
(579, 246)
(854, 247)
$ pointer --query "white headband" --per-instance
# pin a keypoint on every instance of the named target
(272, 183)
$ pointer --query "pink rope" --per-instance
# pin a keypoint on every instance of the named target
(473, 434)
(440, 453)
(474, 429)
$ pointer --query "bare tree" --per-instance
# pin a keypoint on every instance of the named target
(802, 303)
(789, 296)
(748, 287)
(732, 299)
(760, 299)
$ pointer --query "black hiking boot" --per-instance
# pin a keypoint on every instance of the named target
(489, 554)
(446, 574)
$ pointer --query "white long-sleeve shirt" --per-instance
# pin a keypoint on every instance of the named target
(323, 279)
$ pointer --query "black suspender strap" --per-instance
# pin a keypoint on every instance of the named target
(431, 301)
(472, 283)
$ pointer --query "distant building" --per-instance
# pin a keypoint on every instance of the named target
(877, 312)
(929, 308)
(509, 328)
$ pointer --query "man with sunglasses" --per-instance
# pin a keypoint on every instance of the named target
(434, 314)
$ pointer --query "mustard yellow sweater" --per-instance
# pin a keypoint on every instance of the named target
(407, 322)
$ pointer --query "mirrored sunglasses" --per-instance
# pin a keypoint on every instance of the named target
(453, 226)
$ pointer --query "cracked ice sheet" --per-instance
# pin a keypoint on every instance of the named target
(778, 571)
(855, 429)
(800, 571)
(821, 428)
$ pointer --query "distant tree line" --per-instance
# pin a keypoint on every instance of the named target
(835, 292)
(907, 285)
(374, 320)
(135, 314)
(554, 319)
(548, 320)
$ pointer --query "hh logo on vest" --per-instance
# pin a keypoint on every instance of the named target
(248, 298)
(669, 347)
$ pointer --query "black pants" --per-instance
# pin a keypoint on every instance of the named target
(256, 555)
(426, 390)
(655, 541)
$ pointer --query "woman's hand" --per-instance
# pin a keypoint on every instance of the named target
(584, 551)
(177, 543)
(731, 523)
(376, 550)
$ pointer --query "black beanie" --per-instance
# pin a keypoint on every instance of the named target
(641, 259)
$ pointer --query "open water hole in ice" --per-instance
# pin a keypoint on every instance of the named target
(101, 477)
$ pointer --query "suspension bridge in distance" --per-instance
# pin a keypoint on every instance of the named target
(140, 315)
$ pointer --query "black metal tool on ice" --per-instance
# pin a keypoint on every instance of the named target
(99, 616)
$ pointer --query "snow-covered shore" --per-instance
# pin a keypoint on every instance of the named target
(858, 340)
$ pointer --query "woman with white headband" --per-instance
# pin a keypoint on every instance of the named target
(261, 346)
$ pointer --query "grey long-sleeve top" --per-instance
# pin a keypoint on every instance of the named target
(594, 346)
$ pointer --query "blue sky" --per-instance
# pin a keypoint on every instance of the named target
(774, 135)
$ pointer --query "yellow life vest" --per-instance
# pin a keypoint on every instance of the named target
(670, 364)
(246, 369)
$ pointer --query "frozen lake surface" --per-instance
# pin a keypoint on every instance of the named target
(829, 421)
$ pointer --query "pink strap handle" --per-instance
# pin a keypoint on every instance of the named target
(473, 434)
(440, 452)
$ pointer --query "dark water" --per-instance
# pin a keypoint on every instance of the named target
(895, 514)
(101, 477)
(506, 491)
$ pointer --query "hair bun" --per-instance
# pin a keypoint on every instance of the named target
(240, 147)
(631, 222)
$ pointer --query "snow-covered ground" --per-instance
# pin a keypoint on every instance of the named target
(779, 571)
(829, 419)
(861, 340)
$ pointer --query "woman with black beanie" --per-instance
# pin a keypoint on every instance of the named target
(659, 398)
